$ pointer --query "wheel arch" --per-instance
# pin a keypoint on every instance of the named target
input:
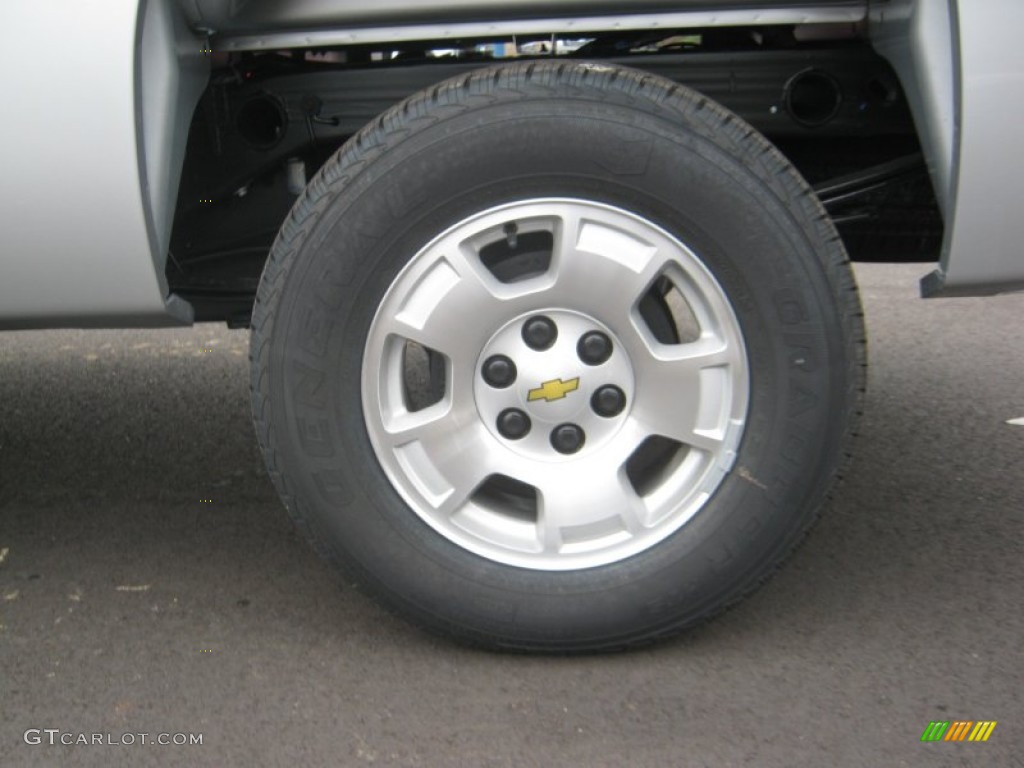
(961, 68)
(91, 187)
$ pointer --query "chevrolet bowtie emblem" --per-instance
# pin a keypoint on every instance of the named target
(555, 389)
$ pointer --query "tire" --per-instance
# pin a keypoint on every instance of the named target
(686, 345)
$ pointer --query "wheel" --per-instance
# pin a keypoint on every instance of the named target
(556, 356)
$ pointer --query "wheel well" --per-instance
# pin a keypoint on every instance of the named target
(268, 120)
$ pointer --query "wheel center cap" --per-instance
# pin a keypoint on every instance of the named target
(553, 383)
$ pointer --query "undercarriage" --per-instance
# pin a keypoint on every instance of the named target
(269, 120)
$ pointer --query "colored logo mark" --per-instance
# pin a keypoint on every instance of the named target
(555, 389)
(958, 730)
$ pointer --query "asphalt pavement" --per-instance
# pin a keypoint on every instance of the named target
(150, 583)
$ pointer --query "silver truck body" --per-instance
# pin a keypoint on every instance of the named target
(95, 134)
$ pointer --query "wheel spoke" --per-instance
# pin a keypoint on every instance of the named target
(602, 269)
(452, 308)
(448, 452)
(682, 392)
(578, 505)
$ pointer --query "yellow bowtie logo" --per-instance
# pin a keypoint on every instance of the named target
(555, 389)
